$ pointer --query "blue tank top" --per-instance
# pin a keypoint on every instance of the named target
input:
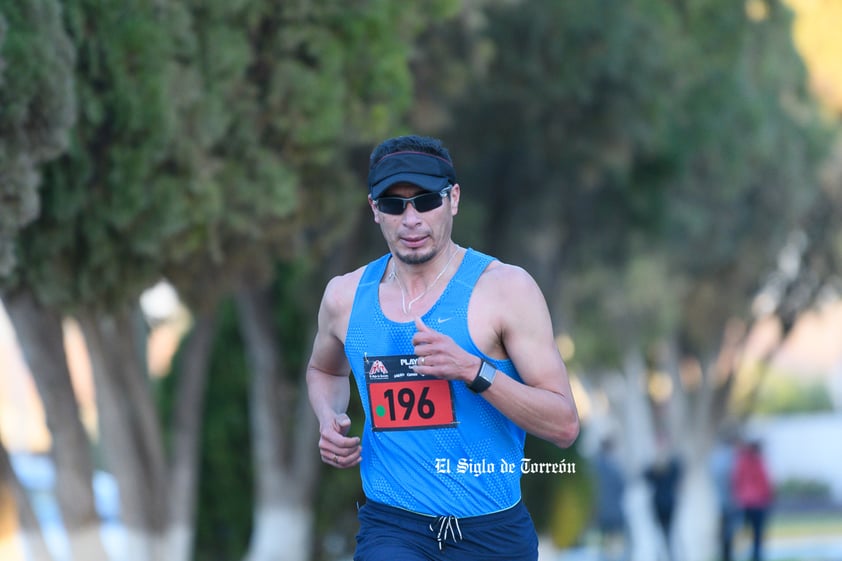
(468, 462)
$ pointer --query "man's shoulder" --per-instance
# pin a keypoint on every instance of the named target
(509, 287)
(342, 288)
(499, 274)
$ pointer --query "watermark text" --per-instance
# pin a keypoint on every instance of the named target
(526, 466)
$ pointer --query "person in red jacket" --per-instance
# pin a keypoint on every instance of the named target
(753, 493)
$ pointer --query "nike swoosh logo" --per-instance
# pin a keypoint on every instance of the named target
(442, 320)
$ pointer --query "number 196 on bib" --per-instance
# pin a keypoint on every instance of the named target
(413, 404)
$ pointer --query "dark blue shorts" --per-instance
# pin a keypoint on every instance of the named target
(392, 534)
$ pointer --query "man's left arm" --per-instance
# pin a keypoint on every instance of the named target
(543, 403)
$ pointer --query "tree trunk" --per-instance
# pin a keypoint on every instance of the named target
(17, 516)
(283, 525)
(639, 439)
(696, 515)
(694, 427)
(39, 332)
(130, 432)
(187, 422)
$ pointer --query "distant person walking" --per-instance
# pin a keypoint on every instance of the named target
(722, 462)
(610, 516)
(753, 493)
(664, 476)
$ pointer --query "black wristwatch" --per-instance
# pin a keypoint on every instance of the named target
(484, 378)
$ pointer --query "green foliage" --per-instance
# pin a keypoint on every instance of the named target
(570, 88)
(210, 136)
(287, 90)
(104, 216)
(338, 491)
(638, 302)
(605, 136)
(225, 503)
(748, 146)
(560, 504)
(227, 472)
(783, 393)
(37, 109)
(338, 495)
(572, 511)
(36, 101)
(224, 509)
(801, 489)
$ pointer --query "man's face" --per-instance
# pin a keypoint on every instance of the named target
(416, 237)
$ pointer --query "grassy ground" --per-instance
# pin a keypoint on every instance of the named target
(795, 525)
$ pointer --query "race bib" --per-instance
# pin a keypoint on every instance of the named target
(402, 399)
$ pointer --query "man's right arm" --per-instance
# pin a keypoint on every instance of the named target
(328, 381)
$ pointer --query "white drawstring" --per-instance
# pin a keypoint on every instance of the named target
(446, 524)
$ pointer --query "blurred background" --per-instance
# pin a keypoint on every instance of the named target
(179, 180)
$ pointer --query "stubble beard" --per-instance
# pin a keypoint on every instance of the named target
(416, 258)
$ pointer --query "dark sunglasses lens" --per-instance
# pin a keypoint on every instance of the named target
(424, 203)
(391, 205)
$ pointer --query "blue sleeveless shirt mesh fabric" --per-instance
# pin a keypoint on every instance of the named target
(455, 470)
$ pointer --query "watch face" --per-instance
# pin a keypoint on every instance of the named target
(484, 378)
(488, 372)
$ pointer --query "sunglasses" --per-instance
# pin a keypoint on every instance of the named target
(424, 202)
